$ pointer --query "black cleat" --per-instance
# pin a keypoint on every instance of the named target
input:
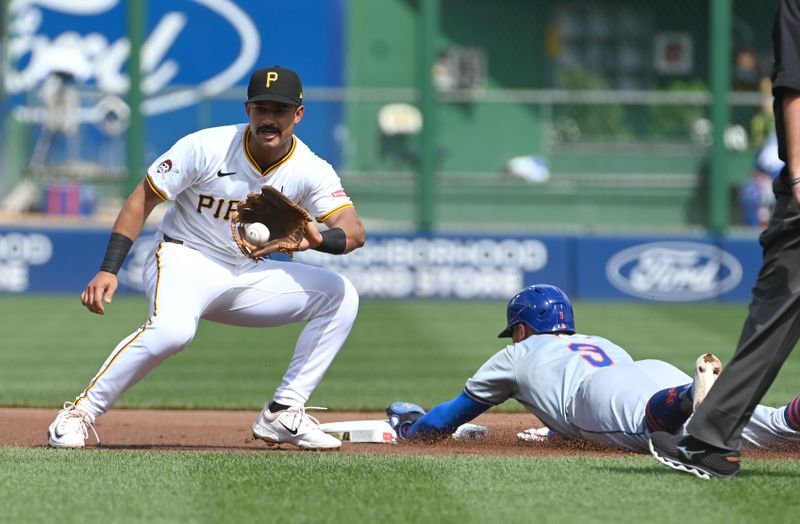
(694, 456)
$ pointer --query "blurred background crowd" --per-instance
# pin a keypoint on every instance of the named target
(437, 114)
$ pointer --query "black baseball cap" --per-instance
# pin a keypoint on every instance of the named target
(275, 84)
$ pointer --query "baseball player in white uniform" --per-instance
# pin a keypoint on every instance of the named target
(196, 270)
(583, 387)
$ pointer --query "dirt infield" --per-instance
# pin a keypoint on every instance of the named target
(230, 431)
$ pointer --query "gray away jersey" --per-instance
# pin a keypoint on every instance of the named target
(543, 373)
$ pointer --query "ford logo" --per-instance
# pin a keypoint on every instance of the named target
(674, 271)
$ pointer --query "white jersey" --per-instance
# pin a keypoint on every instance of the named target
(543, 372)
(209, 172)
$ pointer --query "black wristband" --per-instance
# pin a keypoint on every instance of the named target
(334, 241)
(117, 250)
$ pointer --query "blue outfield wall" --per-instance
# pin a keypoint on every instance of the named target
(654, 269)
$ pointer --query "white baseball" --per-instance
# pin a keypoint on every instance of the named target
(256, 233)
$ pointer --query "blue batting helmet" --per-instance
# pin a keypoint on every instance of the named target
(543, 308)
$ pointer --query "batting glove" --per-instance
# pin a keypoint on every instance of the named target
(402, 416)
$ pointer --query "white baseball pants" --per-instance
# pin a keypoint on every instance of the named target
(183, 285)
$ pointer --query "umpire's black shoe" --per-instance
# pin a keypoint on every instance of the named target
(694, 456)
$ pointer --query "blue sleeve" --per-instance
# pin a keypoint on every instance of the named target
(443, 419)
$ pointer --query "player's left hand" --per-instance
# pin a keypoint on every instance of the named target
(286, 221)
(311, 239)
(402, 416)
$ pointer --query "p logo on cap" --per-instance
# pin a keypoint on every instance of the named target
(275, 84)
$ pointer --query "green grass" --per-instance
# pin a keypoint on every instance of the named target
(417, 351)
(133, 486)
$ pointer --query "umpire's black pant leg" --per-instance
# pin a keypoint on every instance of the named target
(769, 334)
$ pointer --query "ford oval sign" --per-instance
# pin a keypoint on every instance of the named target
(674, 271)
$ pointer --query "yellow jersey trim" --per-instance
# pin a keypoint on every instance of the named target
(272, 167)
(158, 282)
(142, 329)
(157, 191)
(333, 211)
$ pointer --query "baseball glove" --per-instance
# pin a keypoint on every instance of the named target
(287, 223)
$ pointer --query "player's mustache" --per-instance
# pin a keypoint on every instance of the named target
(268, 129)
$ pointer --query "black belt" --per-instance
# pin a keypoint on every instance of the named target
(173, 240)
